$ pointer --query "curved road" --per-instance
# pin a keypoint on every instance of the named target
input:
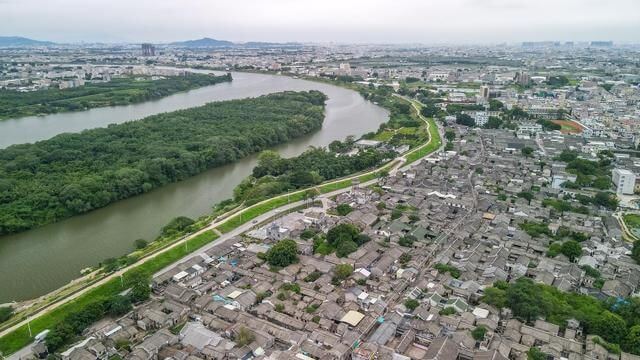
(239, 230)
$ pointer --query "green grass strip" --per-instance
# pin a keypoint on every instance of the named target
(20, 338)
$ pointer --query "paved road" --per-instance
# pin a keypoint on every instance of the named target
(540, 144)
(23, 353)
(225, 238)
(222, 239)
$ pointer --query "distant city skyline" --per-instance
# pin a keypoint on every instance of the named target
(355, 21)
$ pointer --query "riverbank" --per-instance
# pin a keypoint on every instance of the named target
(38, 261)
(119, 91)
(17, 336)
(72, 174)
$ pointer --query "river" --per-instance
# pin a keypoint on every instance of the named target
(35, 262)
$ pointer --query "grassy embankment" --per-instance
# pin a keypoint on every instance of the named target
(632, 221)
(20, 337)
(250, 213)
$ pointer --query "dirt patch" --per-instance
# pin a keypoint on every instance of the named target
(568, 126)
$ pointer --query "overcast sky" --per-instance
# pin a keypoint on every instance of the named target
(342, 21)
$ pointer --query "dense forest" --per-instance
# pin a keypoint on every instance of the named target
(119, 91)
(74, 173)
(275, 175)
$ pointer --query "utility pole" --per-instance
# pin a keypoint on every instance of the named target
(29, 326)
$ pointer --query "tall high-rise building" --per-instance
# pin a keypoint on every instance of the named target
(523, 78)
(148, 50)
(484, 92)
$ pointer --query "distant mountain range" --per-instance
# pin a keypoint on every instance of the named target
(19, 41)
(11, 41)
(209, 42)
(204, 42)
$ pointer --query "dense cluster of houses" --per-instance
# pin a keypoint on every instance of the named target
(420, 299)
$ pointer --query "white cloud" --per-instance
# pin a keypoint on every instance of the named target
(425, 21)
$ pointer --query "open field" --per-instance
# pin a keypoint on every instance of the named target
(633, 223)
(632, 220)
(568, 126)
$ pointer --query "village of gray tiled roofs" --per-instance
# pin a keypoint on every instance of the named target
(487, 209)
(200, 307)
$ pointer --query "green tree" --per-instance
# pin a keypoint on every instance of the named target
(404, 258)
(84, 171)
(527, 151)
(269, 163)
(283, 253)
(557, 80)
(140, 290)
(444, 268)
(571, 249)
(140, 244)
(466, 120)
(308, 234)
(179, 224)
(589, 271)
(479, 332)
(606, 200)
(501, 284)
(110, 265)
(344, 209)
(429, 110)
(345, 247)
(407, 240)
(635, 251)
(527, 195)
(496, 297)
(5, 313)
(450, 135)
(631, 342)
(118, 305)
(523, 299)
(411, 304)
(342, 271)
(342, 232)
(535, 354)
(447, 311)
(493, 123)
(495, 105)
(610, 327)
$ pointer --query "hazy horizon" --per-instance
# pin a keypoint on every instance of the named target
(330, 21)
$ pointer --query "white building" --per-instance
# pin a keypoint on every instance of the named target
(526, 130)
(435, 76)
(595, 147)
(624, 180)
(481, 118)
